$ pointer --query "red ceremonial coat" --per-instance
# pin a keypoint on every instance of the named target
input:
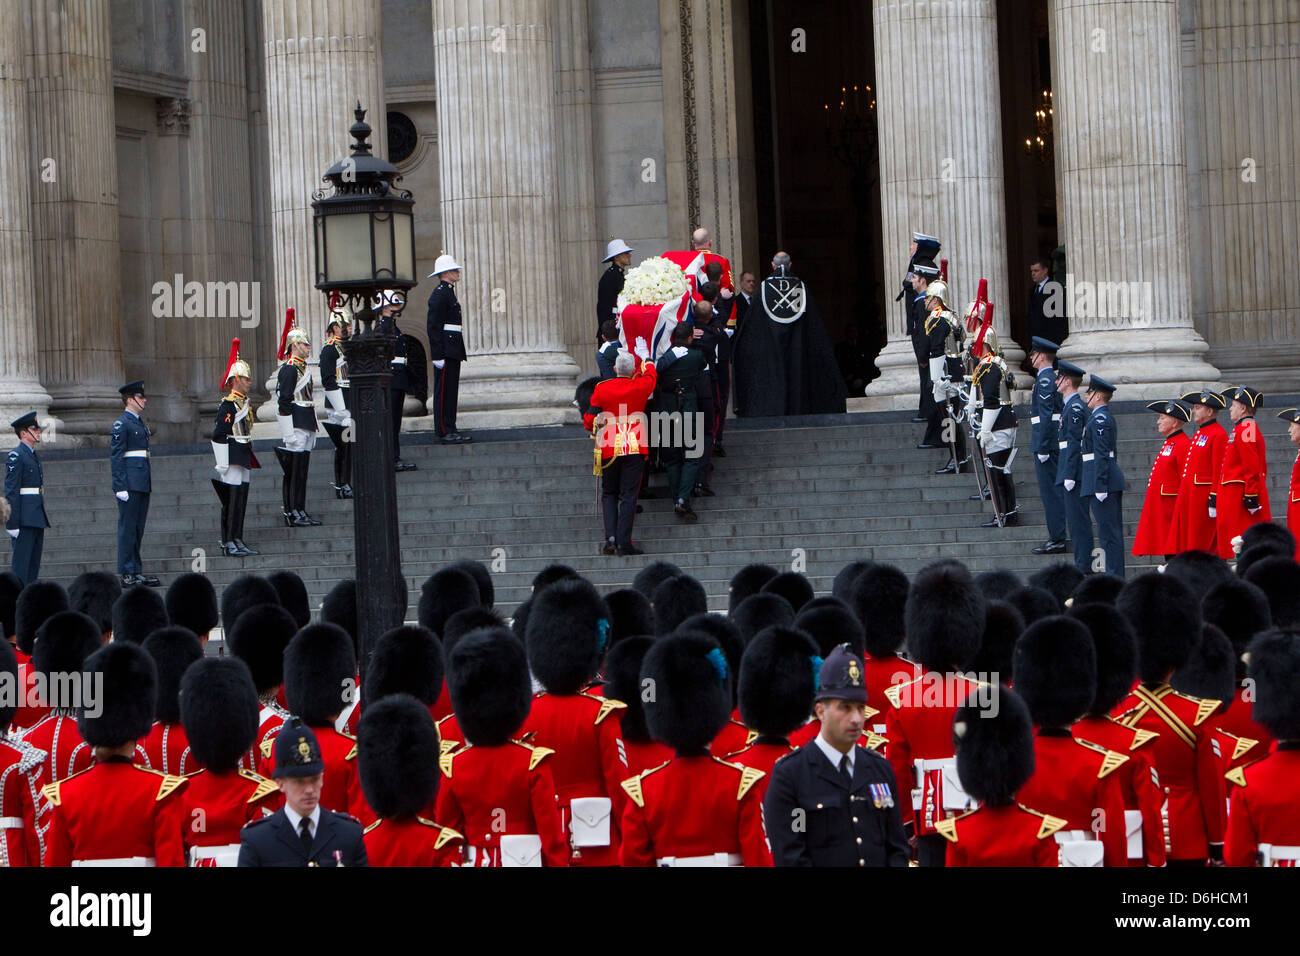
(1162, 495)
(1262, 808)
(66, 753)
(1193, 528)
(1244, 473)
(1001, 836)
(762, 755)
(1138, 780)
(22, 775)
(623, 401)
(215, 806)
(413, 841)
(1293, 505)
(168, 749)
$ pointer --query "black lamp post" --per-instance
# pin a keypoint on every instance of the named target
(365, 246)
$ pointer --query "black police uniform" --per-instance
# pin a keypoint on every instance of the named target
(24, 489)
(129, 454)
(446, 342)
(816, 815)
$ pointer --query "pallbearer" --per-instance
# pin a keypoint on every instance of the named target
(232, 446)
(1241, 497)
(1162, 487)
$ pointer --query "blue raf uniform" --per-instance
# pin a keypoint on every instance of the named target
(1069, 471)
(1102, 484)
(1045, 411)
(129, 451)
(286, 838)
(25, 492)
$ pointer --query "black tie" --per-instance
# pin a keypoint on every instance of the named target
(304, 833)
(845, 771)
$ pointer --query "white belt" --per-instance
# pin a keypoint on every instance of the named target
(1089, 456)
(451, 328)
(1271, 853)
(225, 855)
(29, 491)
(712, 859)
(136, 454)
(119, 861)
(11, 823)
(398, 360)
(1062, 444)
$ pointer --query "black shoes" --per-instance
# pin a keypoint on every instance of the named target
(345, 491)
(1007, 520)
(704, 491)
(456, 438)
(400, 465)
(244, 549)
(985, 495)
(630, 551)
(609, 548)
(683, 511)
(148, 580)
(929, 444)
(719, 451)
(952, 468)
(1051, 547)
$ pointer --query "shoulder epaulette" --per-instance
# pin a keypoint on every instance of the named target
(894, 693)
(344, 733)
(632, 787)
(1204, 709)
(539, 754)
(51, 793)
(1141, 737)
(750, 737)
(1110, 761)
(748, 777)
(352, 754)
(1237, 775)
(607, 706)
(875, 741)
(263, 789)
(371, 827)
(170, 784)
(32, 756)
(445, 834)
(444, 763)
(1050, 825)
(267, 747)
(1243, 746)
(446, 746)
(948, 828)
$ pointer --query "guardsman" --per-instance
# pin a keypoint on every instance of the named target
(258, 638)
(619, 256)
(879, 597)
(218, 709)
(1263, 829)
(1069, 466)
(302, 832)
(945, 333)
(997, 428)
(1292, 417)
(25, 492)
(831, 802)
(1241, 497)
(1161, 499)
(390, 306)
(446, 349)
(398, 753)
(33, 606)
(117, 813)
(995, 757)
(296, 414)
(63, 644)
(696, 809)
(21, 779)
(232, 446)
(1166, 618)
(128, 444)
(1102, 483)
(173, 650)
(1117, 668)
(567, 630)
(1194, 525)
(617, 417)
(1241, 610)
(622, 681)
(1045, 423)
(338, 396)
(498, 790)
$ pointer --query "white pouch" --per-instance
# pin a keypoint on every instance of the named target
(521, 849)
(1133, 830)
(589, 821)
(1077, 848)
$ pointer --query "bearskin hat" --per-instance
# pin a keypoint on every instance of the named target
(761, 610)
(487, 679)
(191, 602)
(258, 638)
(830, 625)
(630, 613)
(128, 691)
(242, 593)
(568, 630)
(397, 756)
(1268, 533)
(648, 578)
(725, 633)
(1279, 578)
(689, 691)
(748, 580)
(1116, 652)
(137, 614)
(1211, 672)
(944, 617)
(1033, 603)
(320, 670)
(623, 682)
(10, 587)
(1250, 557)
(443, 593)
(996, 585)
(293, 595)
(1199, 570)
(477, 570)
(1055, 665)
(879, 599)
(1166, 620)
(544, 578)
(519, 620)
(94, 593)
(792, 586)
(995, 748)
(842, 586)
(64, 642)
(9, 676)
(778, 680)
(1274, 665)
(340, 607)
(173, 650)
(465, 620)
(36, 604)
(1097, 589)
(406, 660)
(1059, 580)
(1003, 626)
(1240, 610)
(675, 599)
(219, 711)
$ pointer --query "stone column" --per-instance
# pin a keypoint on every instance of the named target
(497, 157)
(1123, 196)
(321, 56)
(940, 130)
(19, 366)
(72, 171)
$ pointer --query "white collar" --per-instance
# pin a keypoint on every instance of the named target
(294, 818)
(833, 755)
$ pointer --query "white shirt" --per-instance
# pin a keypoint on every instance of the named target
(833, 755)
(295, 817)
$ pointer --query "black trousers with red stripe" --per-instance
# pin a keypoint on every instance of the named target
(446, 390)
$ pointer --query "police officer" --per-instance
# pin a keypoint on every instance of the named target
(24, 490)
(446, 349)
(1102, 483)
(619, 256)
(129, 453)
(1045, 412)
(832, 803)
(338, 397)
(1069, 465)
(302, 832)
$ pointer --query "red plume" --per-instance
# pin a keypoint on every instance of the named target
(981, 297)
(943, 269)
(284, 335)
(234, 357)
(984, 327)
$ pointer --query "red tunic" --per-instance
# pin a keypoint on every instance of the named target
(1001, 836)
(216, 805)
(1293, 505)
(1237, 720)
(623, 400)
(1263, 806)
(168, 749)
(29, 712)
(589, 761)
(1075, 780)
(1190, 771)
(66, 753)
(269, 721)
(694, 807)
(1162, 496)
(643, 755)
(341, 787)
(449, 734)
(881, 673)
(762, 755)
(116, 810)
(733, 736)
(506, 790)
(1234, 751)
(1192, 527)
(413, 841)
(22, 775)
(1139, 784)
(1244, 473)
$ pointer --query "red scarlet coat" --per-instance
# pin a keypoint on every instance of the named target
(168, 749)
(66, 753)
(341, 788)
(1263, 805)
(413, 841)
(1293, 505)
(22, 776)
(762, 755)
(1001, 836)
(1237, 720)
(1244, 474)
(623, 400)
(881, 673)
(215, 806)
(1162, 495)
(1192, 527)
(1138, 779)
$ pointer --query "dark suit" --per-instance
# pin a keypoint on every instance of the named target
(605, 356)
(1054, 328)
(23, 490)
(920, 348)
(129, 453)
(814, 818)
(272, 841)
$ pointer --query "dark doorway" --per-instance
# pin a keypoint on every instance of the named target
(817, 165)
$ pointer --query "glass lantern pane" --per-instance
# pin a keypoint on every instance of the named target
(404, 254)
(383, 245)
(348, 247)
